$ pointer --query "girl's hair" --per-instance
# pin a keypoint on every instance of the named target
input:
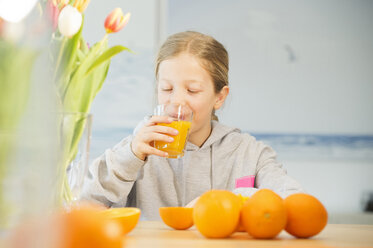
(212, 54)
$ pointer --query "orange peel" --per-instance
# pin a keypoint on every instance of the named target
(179, 218)
(127, 217)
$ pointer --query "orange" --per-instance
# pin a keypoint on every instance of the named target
(86, 227)
(306, 215)
(80, 227)
(216, 213)
(28, 233)
(240, 227)
(127, 217)
(179, 218)
(264, 214)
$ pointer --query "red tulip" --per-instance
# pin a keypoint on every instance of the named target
(115, 21)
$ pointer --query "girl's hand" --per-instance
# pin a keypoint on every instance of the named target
(145, 137)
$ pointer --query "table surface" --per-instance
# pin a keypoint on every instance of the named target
(156, 234)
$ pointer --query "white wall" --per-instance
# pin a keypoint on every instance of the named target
(341, 185)
(140, 31)
(127, 94)
(296, 66)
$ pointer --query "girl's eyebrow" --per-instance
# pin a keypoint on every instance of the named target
(165, 79)
(186, 81)
(193, 81)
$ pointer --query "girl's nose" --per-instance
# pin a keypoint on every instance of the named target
(177, 97)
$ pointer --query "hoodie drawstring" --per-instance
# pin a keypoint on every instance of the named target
(211, 169)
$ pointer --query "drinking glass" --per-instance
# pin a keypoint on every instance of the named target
(182, 119)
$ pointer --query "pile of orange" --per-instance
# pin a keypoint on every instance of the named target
(219, 213)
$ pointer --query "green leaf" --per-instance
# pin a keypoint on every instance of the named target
(107, 55)
(78, 76)
(100, 75)
(80, 54)
(83, 89)
(67, 54)
(83, 46)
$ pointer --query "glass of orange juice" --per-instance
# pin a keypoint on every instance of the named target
(182, 116)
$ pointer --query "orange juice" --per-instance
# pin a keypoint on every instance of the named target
(175, 148)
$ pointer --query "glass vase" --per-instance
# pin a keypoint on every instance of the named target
(75, 133)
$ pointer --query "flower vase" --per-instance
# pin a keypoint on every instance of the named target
(75, 133)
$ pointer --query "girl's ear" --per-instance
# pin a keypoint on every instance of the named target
(220, 97)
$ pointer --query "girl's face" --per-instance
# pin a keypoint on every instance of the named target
(183, 80)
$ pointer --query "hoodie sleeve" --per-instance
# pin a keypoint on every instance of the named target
(112, 175)
(270, 173)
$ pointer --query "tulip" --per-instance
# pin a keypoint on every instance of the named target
(69, 21)
(60, 4)
(81, 5)
(2, 23)
(115, 21)
(53, 13)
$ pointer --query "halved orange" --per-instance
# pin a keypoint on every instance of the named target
(127, 217)
(179, 218)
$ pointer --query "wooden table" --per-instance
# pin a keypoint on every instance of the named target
(156, 234)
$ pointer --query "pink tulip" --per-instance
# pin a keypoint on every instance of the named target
(2, 23)
(115, 21)
(53, 13)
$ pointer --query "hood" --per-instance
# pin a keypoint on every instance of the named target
(219, 131)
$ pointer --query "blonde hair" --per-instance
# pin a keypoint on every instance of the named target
(212, 54)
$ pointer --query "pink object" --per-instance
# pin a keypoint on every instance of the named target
(245, 182)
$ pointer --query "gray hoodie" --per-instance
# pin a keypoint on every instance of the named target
(118, 178)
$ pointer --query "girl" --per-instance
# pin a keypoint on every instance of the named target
(191, 69)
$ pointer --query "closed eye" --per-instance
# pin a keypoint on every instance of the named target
(166, 89)
(193, 91)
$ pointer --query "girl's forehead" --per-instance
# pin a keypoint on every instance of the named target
(184, 67)
(185, 59)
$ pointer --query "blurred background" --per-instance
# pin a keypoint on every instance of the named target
(301, 80)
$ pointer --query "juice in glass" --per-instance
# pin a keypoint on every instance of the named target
(175, 149)
(182, 116)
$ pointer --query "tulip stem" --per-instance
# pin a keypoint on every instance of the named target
(59, 58)
(102, 42)
(104, 39)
